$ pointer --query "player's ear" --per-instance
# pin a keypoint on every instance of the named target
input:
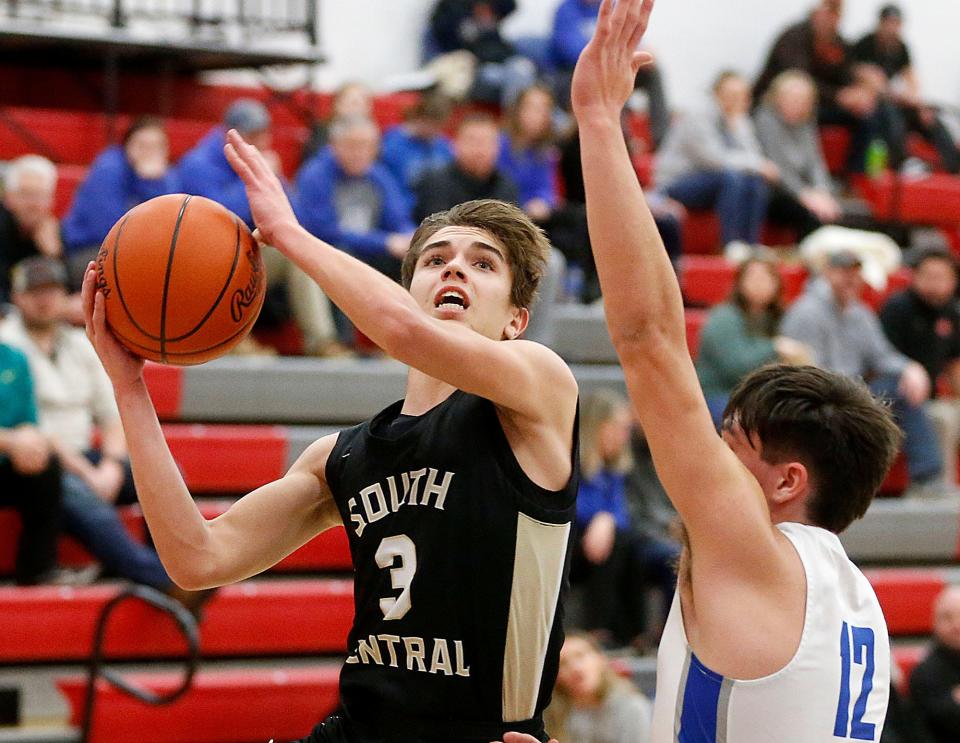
(793, 482)
(519, 319)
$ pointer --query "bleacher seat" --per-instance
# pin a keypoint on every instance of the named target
(230, 706)
(255, 618)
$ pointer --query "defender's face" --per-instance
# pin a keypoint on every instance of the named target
(463, 275)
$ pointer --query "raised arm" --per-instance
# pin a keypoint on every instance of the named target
(719, 501)
(520, 376)
(256, 532)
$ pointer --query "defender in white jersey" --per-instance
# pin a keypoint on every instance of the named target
(774, 635)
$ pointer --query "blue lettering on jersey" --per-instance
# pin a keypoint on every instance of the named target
(856, 646)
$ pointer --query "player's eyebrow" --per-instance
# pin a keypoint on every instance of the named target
(477, 244)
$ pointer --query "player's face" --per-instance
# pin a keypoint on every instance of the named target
(463, 274)
(581, 669)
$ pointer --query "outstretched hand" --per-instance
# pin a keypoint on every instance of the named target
(269, 204)
(605, 73)
(121, 366)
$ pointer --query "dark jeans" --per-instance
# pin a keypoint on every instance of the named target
(935, 133)
(920, 445)
(97, 526)
(37, 498)
(786, 209)
(740, 199)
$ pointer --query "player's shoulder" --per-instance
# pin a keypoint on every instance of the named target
(547, 361)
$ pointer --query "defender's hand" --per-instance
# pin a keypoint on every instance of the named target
(268, 203)
(121, 366)
(604, 76)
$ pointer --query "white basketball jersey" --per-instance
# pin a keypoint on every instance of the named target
(835, 688)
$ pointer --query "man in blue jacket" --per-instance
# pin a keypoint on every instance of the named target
(348, 199)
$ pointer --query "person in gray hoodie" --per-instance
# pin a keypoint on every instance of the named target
(845, 336)
(712, 160)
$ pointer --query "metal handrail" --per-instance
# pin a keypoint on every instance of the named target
(187, 624)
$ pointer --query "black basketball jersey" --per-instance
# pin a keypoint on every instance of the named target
(461, 566)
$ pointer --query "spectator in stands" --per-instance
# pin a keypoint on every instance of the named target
(592, 702)
(743, 333)
(474, 174)
(846, 337)
(935, 682)
(846, 92)
(122, 176)
(667, 213)
(350, 99)
(712, 159)
(418, 145)
(885, 51)
(474, 26)
(902, 723)
(923, 323)
(786, 127)
(612, 559)
(204, 171)
(27, 224)
(29, 472)
(74, 397)
(573, 26)
(350, 200)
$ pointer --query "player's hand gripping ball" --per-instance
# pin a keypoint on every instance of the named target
(182, 279)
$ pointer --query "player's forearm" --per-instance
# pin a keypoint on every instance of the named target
(379, 307)
(640, 290)
(179, 531)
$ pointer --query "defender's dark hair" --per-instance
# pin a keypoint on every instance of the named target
(831, 424)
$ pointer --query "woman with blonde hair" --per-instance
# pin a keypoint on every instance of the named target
(591, 702)
(613, 560)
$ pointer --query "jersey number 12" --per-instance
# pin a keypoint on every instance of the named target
(860, 640)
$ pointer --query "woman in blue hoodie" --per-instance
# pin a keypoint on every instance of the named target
(121, 177)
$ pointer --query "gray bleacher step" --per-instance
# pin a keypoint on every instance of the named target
(39, 734)
(581, 334)
(315, 390)
(903, 529)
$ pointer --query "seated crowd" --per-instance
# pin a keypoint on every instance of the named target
(752, 154)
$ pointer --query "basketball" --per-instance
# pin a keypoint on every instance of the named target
(182, 279)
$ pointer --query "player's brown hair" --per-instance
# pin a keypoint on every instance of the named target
(526, 245)
(832, 424)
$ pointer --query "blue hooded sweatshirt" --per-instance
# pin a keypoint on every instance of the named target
(111, 188)
(205, 171)
(573, 26)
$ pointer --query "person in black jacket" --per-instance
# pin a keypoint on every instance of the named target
(935, 682)
(473, 174)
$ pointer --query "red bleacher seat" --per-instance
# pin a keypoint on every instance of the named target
(695, 320)
(227, 459)
(906, 597)
(263, 617)
(835, 141)
(236, 706)
(708, 279)
(166, 388)
(934, 200)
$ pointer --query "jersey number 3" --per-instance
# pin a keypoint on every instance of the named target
(860, 641)
(401, 575)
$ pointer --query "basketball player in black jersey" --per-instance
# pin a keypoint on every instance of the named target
(457, 500)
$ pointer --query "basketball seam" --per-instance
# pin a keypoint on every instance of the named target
(223, 291)
(116, 281)
(246, 327)
(166, 280)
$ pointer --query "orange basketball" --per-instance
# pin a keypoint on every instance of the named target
(182, 278)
